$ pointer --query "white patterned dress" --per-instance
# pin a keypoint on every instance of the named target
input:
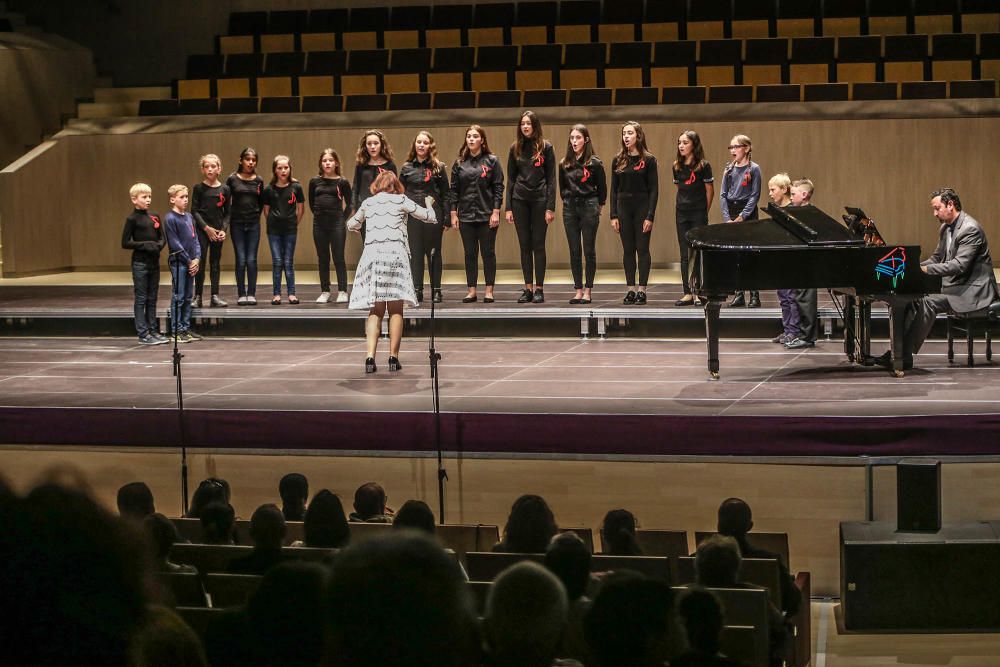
(383, 272)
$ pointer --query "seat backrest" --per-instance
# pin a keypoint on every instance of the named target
(184, 587)
(776, 543)
(208, 557)
(653, 566)
(198, 618)
(365, 531)
(230, 590)
(463, 538)
(761, 572)
(738, 642)
(746, 607)
(586, 534)
(486, 565)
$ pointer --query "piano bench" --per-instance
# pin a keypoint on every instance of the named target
(985, 320)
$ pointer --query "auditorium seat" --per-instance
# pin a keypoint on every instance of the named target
(409, 101)
(980, 16)
(708, 19)
(192, 89)
(495, 67)
(539, 63)
(779, 93)
(798, 19)
(906, 57)
(663, 20)
(323, 103)
(776, 543)
(628, 65)
(978, 88)
(328, 20)
(843, 18)
(684, 94)
(479, 591)
(923, 90)
(284, 104)
(230, 590)
(184, 588)
(825, 92)
(315, 86)
(274, 86)
(737, 643)
(197, 106)
(673, 63)
(455, 99)
(287, 21)
(365, 27)
(583, 65)
(730, 94)
(448, 23)
(232, 88)
(669, 543)
(620, 21)
(244, 64)
(651, 566)
(753, 19)
(499, 99)
(205, 66)
(451, 69)
(238, 105)
(364, 69)
(319, 41)
(199, 618)
(889, 17)
(578, 20)
(285, 64)
(367, 102)
(765, 61)
(858, 58)
(553, 97)
(277, 43)
(586, 535)
(247, 23)
(875, 91)
(989, 56)
(158, 107)
(407, 68)
(747, 608)
(407, 24)
(533, 22)
(325, 63)
(718, 62)
(491, 24)
(812, 59)
(233, 44)
(952, 57)
(637, 96)
(763, 572)
(933, 17)
(486, 565)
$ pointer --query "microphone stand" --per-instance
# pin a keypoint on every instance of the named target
(434, 357)
(175, 308)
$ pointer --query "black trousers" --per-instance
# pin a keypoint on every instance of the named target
(686, 221)
(330, 237)
(529, 221)
(581, 218)
(479, 238)
(424, 238)
(211, 259)
(735, 208)
(806, 300)
(635, 244)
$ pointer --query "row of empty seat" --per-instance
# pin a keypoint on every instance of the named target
(557, 97)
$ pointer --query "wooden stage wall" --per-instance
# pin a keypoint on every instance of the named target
(807, 501)
(63, 205)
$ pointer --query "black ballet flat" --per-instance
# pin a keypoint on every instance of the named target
(394, 364)
(640, 299)
(629, 298)
(575, 301)
(370, 365)
(488, 299)
(584, 300)
(684, 302)
(472, 298)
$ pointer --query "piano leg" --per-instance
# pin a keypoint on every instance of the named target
(896, 342)
(850, 340)
(865, 329)
(712, 308)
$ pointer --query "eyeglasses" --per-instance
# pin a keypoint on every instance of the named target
(735, 146)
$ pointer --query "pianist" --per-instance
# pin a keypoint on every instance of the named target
(962, 259)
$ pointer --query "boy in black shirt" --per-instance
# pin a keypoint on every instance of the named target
(143, 234)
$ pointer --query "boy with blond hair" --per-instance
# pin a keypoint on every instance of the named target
(143, 235)
(806, 300)
(184, 261)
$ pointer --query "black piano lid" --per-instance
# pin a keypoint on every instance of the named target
(792, 227)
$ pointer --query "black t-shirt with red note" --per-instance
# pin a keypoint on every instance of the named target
(691, 195)
(364, 176)
(281, 217)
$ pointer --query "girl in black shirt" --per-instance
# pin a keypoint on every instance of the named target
(695, 192)
(283, 206)
(584, 189)
(246, 189)
(210, 205)
(475, 199)
(330, 203)
(634, 191)
(531, 200)
(373, 157)
(424, 175)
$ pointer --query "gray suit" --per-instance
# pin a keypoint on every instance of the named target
(967, 281)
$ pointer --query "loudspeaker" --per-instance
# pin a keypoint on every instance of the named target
(918, 495)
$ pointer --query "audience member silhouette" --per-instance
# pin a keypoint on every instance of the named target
(701, 616)
(569, 559)
(525, 617)
(369, 504)
(735, 521)
(294, 491)
(165, 639)
(629, 621)
(618, 534)
(135, 501)
(415, 514)
(325, 524)
(267, 530)
(74, 580)
(209, 491)
(399, 599)
(161, 535)
(218, 523)
(530, 527)
(286, 615)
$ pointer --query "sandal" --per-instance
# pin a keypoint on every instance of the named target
(276, 301)
(292, 299)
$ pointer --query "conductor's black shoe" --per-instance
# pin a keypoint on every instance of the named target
(539, 296)
(370, 365)
(640, 299)
(525, 296)
(472, 298)
(629, 298)
(420, 295)
(438, 296)
(754, 300)
(394, 364)
(885, 361)
(738, 301)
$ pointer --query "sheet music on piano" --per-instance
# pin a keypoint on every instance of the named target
(861, 225)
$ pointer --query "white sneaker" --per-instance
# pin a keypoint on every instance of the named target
(242, 301)
(342, 297)
(323, 297)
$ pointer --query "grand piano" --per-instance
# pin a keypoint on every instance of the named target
(803, 247)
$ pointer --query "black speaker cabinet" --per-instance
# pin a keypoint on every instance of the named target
(918, 495)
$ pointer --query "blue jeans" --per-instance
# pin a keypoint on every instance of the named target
(282, 259)
(246, 239)
(180, 302)
(146, 284)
